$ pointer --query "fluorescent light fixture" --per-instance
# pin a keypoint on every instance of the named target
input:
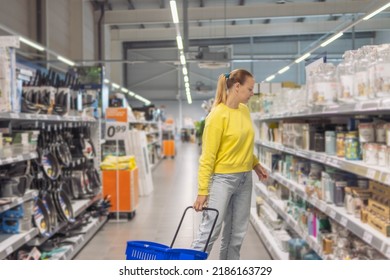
(185, 71)
(376, 12)
(175, 16)
(125, 90)
(31, 44)
(270, 78)
(107, 81)
(189, 99)
(330, 40)
(179, 42)
(182, 59)
(186, 79)
(114, 85)
(187, 85)
(140, 98)
(303, 57)
(188, 91)
(281, 71)
(131, 93)
(65, 60)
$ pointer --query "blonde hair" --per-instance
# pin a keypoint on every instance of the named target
(226, 82)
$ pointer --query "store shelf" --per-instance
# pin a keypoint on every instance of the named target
(11, 242)
(357, 167)
(41, 117)
(363, 107)
(152, 132)
(279, 207)
(143, 122)
(30, 194)
(340, 215)
(17, 153)
(87, 232)
(78, 206)
(267, 237)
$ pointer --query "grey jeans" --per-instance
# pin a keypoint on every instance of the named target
(231, 195)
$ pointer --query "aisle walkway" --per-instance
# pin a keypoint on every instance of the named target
(158, 214)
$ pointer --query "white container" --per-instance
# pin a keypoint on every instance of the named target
(366, 133)
(370, 153)
(382, 155)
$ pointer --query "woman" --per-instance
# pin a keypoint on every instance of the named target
(224, 176)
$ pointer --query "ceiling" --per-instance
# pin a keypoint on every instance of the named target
(242, 33)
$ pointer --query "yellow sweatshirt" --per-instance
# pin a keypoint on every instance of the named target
(227, 144)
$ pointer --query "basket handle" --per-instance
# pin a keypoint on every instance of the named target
(211, 231)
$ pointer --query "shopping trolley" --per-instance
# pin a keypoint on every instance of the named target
(146, 250)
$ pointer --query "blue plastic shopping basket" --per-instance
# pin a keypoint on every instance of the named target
(146, 250)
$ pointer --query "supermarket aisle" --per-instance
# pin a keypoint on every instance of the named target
(158, 214)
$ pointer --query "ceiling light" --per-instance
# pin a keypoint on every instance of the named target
(330, 40)
(187, 85)
(281, 71)
(182, 59)
(185, 71)
(175, 16)
(179, 42)
(125, 90)
(114, 85)
(107, 81)
(186, 79)
(376, 12)
(189, 99)
(31, 44)
(131, 93)
(303, 57)
(65, 60)
(140, 98)
(270, 78)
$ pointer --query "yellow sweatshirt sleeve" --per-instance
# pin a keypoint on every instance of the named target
(255, 161)
(211, 142)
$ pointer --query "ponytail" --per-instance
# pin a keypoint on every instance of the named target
(226, 81)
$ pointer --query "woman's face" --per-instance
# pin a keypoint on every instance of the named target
(245, 91)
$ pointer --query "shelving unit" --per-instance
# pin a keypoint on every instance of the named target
(30, 194)
(365, 232)
(267, 237)
(11, 242)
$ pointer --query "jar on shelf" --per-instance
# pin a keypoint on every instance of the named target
(366, 133)
(382, 71)
(380, 133)
(340, 144)
(352, 146)
(382, 155)
(361, 79)
(326, 85)
(339, 192)
(330, 143)
(370, 153)
(319, 142)
(345, 74)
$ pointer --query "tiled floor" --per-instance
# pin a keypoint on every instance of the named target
(158, 215)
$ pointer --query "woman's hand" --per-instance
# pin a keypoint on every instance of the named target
(200, 202)
(261, 172)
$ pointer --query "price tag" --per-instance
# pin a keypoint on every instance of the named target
(33, 155)
(344, 221)
(45, 117)
(19, 200)
(19, 158)
(28, 116)
(9, 250)
(14, 116)
(5, 208)
(322, 207)
(332, 214)
(367, 237)
(371, 173)
(81, 239)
